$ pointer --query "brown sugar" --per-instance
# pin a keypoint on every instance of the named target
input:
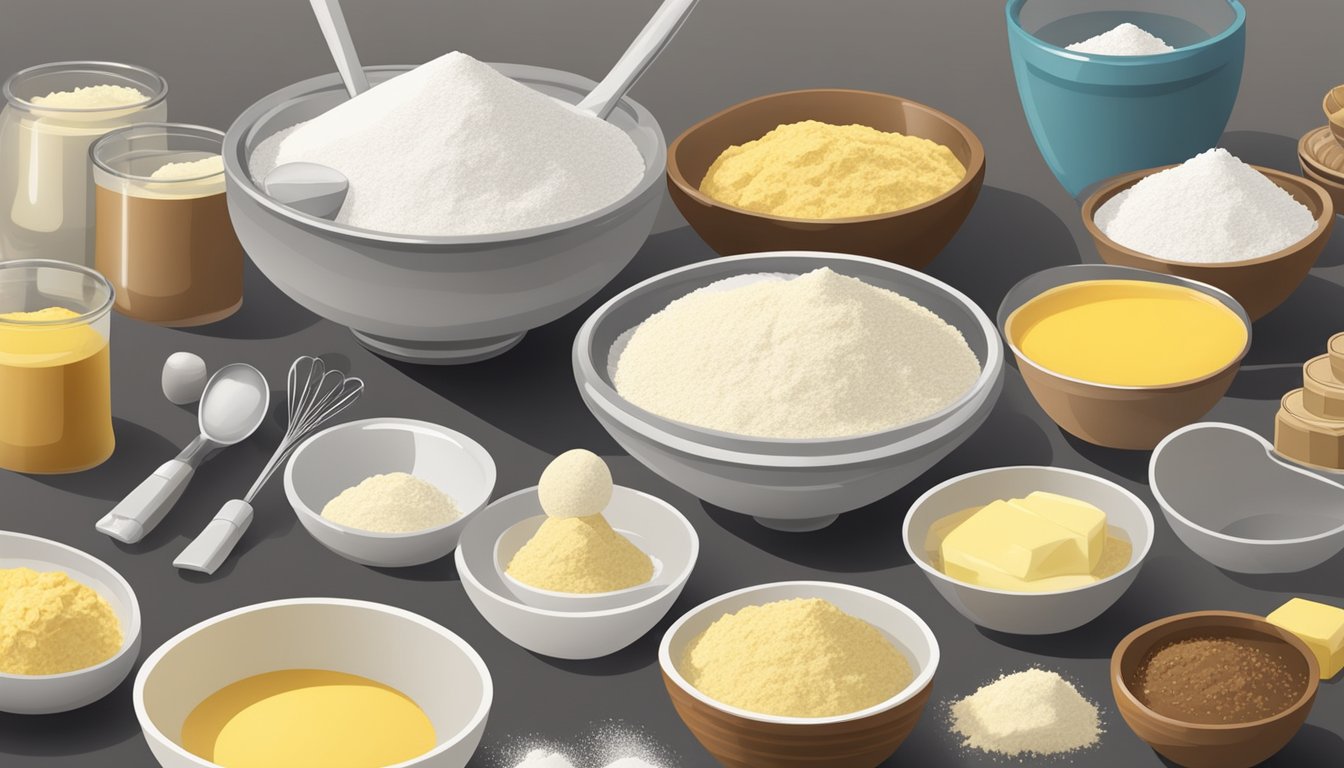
(1213, 680)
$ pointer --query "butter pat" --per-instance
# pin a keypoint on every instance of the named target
(1320, 626)
(1084, 521)
(1005, 538)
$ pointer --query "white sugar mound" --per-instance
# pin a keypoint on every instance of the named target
(1211, 208)
(1125, 40)
(820, 355)
(453, 147)
(1034, 711)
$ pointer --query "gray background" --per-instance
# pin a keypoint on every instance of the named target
(220, 56)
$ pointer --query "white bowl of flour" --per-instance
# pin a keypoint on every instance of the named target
(442, 298)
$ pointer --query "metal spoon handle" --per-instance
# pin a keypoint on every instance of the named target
(146, 506)
(332, 21)
(642, 51)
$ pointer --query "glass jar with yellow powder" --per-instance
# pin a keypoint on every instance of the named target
(55, 380)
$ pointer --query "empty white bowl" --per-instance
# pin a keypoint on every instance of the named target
(576, 634)
(46, 694)
(1239, 505)
(341, 456)
(428, 663)
(513, 539)
(1029, 613)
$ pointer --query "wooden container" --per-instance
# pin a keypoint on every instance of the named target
(1259, 284)
(1333, 106)
(1198, 745)
(1335, 348)
(1306, 438)
(910, 237)
(1322, 391)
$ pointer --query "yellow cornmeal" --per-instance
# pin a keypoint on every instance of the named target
(581, 555)
(51, 624)
(813, 170)
(795, 658)
(307, 718)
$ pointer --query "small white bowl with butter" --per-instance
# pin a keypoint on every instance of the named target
(1055, 602)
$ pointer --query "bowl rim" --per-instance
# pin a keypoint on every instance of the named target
(151, 729)
(921, 681)
(1013, 11)
(1335, 94)
(130, 636)
(1136, 557)
(1117, 184)
(1169, 623)
(842, 450)
(672, 587)
(551, 594)
(1140, 275)
(240, 177)
(973, 169)
(1270, 455)
(304, 511)
(1305, 158)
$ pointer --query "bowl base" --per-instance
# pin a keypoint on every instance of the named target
(439, 352)
(805, 525)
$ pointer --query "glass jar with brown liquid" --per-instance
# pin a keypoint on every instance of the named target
(163, 237)
(55, 378)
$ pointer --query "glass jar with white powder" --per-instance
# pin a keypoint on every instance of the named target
(52, 114)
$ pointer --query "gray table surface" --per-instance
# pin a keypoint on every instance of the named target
(219, 57)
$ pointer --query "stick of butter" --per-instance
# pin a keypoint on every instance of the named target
(1086, 522)
(1006, 538)
(1320, 626)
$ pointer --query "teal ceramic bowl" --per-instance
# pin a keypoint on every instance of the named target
(1096, 116)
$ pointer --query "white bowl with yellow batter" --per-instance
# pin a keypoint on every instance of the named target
(423, 685)
(46, 694)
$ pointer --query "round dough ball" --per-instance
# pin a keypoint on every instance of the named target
(184, 377)
(576, 484)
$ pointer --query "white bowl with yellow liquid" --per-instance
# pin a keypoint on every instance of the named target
(433, 667)
(1029, 613)
(48, 694)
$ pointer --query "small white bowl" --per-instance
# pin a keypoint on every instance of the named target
(342, 456)
(513, 539)
(1238, 504)
(47, 694)
(443, 675)
(576, 634)
(1029, 613)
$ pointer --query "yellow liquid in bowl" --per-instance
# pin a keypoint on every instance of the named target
(307, 718)
(1129, 333)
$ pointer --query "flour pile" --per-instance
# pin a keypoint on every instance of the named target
(1125, 40)
(453, 147)
(820, 355)
(541, 758)
(1211, 208)
(393, 503)
(1033, 711)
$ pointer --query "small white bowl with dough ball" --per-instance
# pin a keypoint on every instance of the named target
(576, 626)
(48, 694)
(341, 457)
(1030, 613)
(438, 671)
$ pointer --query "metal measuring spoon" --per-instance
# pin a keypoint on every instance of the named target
(233, 405)
(646, 46)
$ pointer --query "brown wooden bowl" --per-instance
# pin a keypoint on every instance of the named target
(1333, 105)
(1126, 417)
(1198, 745)
(865, 739)
(910, 237)
(1259, 284)
(1315, 153)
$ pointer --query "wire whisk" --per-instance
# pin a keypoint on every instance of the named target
(314, 395)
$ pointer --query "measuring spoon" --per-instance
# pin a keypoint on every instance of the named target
(233, 405)
(642, 51)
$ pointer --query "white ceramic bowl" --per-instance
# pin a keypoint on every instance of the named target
(428, 663)
(790, 485)
(1239, 505)
(341, 456)
(575, 634)
(1029, 613)
(513, 539)
(47, 694)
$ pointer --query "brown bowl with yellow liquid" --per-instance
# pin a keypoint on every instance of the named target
(910, 237)
(1119, 415)
(1258, 284)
